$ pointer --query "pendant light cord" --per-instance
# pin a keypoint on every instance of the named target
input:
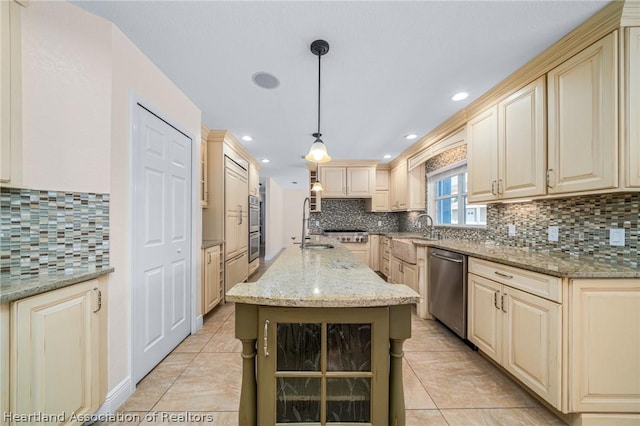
(319, 58)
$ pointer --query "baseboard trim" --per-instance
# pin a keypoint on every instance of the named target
(116, 397)
(199, 322)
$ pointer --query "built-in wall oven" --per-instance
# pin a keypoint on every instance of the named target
(254, 214)
(254, 228)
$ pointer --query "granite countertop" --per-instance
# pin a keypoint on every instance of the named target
(321, 278)
(555, 264)
(211, 243)
(15, 288)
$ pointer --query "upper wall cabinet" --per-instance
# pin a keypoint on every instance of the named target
(583, 120)
(632, 105)
(348, 182)
(254, 180)
(506, 147)
(398, 188)
(10, 93)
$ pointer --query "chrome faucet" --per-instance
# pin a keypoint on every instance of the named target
(429, 224)
(305, 220)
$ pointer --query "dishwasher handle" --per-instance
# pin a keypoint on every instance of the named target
(447, 258)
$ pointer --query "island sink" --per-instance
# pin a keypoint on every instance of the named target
(317, 246)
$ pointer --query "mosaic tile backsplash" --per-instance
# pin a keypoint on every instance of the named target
(49, 231)
(351, 214)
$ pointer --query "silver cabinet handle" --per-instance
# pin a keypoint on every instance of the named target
(499, 186)
(503, 275)
(493, 187)
(447, 258)
(209, 259)
(266, 338)
(549, 171)
(99, 299)
(502, 303)
(495, 299)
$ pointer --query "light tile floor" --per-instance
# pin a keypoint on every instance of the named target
(446, 383)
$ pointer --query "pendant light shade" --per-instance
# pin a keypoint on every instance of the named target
(318, 151)
(317, 187)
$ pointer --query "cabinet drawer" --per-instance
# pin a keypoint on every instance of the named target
(531, 282)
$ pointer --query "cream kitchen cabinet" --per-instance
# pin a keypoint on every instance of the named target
(583, 120)
(374, 252)
(382, 179)
(347, 182)
(519, 330)
(212, 278)
(403, 273)
(385, 255)
(398, 188)
(254, 180)
(604, 346)
(204, 174)
(632, 105)
(236, 270)
(506, 147)
(416, 193)
(58, 351)
(361, 251)
(236, 209)
(10, 92)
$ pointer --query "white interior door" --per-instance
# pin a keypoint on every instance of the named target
(161, 231)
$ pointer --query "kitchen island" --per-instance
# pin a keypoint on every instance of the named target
(330, 333)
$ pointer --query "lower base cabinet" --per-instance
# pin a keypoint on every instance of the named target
(212, 278)
(236, 270)
(360, 250)
(58, 352)
(519, 331)
(322, 365)
(403, 273)
(574, 342)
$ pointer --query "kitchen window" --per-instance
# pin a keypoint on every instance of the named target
(447, 195)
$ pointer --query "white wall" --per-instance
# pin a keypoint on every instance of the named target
(283, 217)
(66, 94)
(273, 217)
(292, 200)
(135, 74)
(80, 75)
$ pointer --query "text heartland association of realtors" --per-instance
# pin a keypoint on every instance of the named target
(152, 416)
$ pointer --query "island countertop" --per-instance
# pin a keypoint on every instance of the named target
(329, 278)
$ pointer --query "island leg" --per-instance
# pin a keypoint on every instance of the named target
(399, 331)
(247, 332)
(248, 400)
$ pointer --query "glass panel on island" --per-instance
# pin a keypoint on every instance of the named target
(349, 400)
(348, 347)
(298, 347)
(298, 400)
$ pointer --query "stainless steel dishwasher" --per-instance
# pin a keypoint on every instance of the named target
(447, 289)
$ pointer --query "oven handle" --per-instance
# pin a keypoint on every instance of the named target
(447, 258)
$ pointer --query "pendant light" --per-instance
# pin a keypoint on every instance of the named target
(317, 186)
(318, 151)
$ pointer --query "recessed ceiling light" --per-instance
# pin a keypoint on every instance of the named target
(410, 136)
(265, 160)
(460, 96)
(247, 138)
(387, 156)
(265, 80)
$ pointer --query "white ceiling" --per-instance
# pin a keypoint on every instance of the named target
(391, 69)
